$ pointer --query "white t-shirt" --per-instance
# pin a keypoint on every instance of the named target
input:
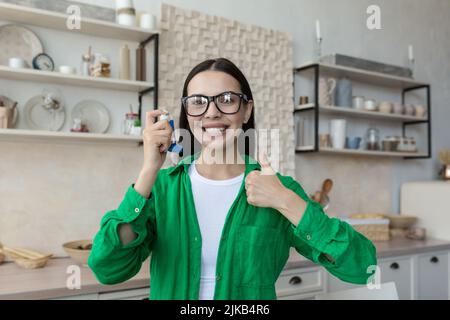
(212, 199)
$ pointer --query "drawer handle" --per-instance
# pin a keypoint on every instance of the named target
(295, 280)
(434, 260)
(394, 266)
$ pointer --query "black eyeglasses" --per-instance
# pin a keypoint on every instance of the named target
(227, 102)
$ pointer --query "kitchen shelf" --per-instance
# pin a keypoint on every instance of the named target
(406, 86)
(74, 80)
(348, 111)
(360, 75)
(310, 149)
(56, 20)
(17, 135)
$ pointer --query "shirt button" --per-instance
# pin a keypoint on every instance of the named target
(218, 277)
(308, 237)
(195, 238)
(136, 210)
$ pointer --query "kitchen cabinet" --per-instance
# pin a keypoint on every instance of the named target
(300, 283)
(417, 276)
(433, 280)
(400, 271)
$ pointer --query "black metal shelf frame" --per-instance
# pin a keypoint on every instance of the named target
(154, 89)
(316, 70)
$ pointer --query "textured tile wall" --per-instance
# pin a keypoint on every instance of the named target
(265, 56)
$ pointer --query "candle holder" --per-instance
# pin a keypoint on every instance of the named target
(411, 65)
(318, 49)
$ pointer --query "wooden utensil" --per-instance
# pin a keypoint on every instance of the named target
(326, 188)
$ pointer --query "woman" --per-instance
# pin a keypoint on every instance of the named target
(218, 230)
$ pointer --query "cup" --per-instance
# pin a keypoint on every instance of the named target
(397, 108)
(67, 70)
(338, 133)
(420, 111)
(147, 21)
(324, 140)
(353, 142)
(358, 103)
(370, 105)
(303, 100)
(409, 110)
(16, 62)
(385, 107)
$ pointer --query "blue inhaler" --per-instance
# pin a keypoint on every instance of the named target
(174, 147)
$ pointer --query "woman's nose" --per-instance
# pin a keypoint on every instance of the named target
(212, 112)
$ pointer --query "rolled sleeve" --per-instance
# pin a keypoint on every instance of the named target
(132, 205)
(331, 242)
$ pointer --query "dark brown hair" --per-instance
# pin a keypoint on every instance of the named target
(223, 65)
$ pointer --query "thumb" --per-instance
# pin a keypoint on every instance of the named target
(266, 168)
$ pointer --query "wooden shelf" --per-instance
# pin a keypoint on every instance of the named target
(56, 20)
(17, 135)
(370, 77)
(363, 152)
(73, 80)
(350, 112)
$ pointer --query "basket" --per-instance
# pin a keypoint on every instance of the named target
(374, 232)
(375, 229)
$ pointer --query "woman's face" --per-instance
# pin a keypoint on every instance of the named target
(215, 129)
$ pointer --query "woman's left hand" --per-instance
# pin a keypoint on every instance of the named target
(263, 188)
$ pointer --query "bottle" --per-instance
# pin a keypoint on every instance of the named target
(124, 70)
(140, 64)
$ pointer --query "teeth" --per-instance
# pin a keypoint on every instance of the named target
(215, 131)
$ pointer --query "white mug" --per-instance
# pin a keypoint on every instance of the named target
(338, 133)
(147, 21)
(67, 70)
(16, 62)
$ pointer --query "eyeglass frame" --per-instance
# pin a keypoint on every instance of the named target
(242, 96)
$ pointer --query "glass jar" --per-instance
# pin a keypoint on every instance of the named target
(128, 122)
(373, 139)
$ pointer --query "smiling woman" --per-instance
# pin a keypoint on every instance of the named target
(219, 229)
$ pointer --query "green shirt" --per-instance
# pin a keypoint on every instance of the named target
(253, 249)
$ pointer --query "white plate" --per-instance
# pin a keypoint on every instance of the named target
(20, 42)
(39, 118)
(94, 114)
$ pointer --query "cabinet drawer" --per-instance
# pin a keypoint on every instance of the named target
(398, 270)
(133, 294)
(433, 276)
(297, 281)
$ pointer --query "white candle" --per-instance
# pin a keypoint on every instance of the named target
(318, 29)
(410, 53)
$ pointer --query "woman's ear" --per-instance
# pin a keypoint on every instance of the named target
(248, 111)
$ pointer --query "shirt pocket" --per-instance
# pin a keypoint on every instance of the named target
(256, 255)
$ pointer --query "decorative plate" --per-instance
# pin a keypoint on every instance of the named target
(39, 118)
(93, 114)
(20, 42)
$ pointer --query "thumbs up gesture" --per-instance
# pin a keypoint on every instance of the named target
(263, 188)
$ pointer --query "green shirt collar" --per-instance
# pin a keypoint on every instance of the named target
(250, 163)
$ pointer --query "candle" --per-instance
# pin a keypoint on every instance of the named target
(318, 29)
(410, 52)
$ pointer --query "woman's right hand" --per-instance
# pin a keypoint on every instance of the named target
(157, 137)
